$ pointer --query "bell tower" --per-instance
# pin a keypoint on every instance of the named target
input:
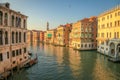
(47, 25)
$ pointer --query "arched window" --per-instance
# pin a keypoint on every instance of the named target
(1, 17)
(12, 20)
(24, 37)
(17, 21)
(1, 35)
(16, 37)
(81, 45)
(85, 45)
(24, 23)
(6, 19)
(19, 36)
(13, 37)
(6, 37)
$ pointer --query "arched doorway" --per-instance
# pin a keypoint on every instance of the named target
(112, 49)
(118, 50)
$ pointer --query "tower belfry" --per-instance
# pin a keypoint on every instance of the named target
(47, 25)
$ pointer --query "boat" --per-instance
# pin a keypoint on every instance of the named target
(115, 60)
(31, 63)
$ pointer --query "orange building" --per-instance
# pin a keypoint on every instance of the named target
(41, 36)
(84, 34)
(36, 35)
(68, 28)
(29, 36)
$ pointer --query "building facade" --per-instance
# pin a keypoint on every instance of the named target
(41, 36)
(68, 28)
(83, 34)
(29, 36)
(60, 35)
(50, 36)
(13, 46)
(36, 35)
(45, 36)
(109, 31)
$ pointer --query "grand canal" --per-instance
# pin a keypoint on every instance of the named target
(61, 63)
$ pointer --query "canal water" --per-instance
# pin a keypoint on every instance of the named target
(61, 63)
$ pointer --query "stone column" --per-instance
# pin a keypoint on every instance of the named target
(14, 37)
(9, 19)
(3, 18)
(14, 21)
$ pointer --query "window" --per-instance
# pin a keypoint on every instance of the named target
(92, 46)
(107, 24)
(119, 13)
(19, 22)
(17, 53)
(114, 34)
(111, 16)
(24, 24)
(102, 34)
(13, 53)
(6, 37)
(6, 19)
(12, 37)
(107, 42)
(78, 45)
(110, 24)
(118, 23)
(12, 20)
(16, 22)
(107, 34)
(81, 45)
(24, 50)
(103, 18)
(1, 57)
(8, 55)
(1, 17)
(19, 36)
(117, 34)
(110, 34)
(85, 45)
(115, 23)
(1, 35)
(14, 62)
(108, 17)
(24, 37)
(103, 26)
(89, 45)
(16, 37)
(20, 52)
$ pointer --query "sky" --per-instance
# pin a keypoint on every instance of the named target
(58, 12)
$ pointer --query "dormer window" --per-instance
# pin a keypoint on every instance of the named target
(7, 5)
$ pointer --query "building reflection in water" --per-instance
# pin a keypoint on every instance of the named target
(78, 65)
(103, 69)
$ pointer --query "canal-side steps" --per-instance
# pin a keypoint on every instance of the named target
(114, 60)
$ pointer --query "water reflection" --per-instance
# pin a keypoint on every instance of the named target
(60, 63)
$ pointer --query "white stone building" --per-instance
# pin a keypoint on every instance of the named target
(13, 47)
